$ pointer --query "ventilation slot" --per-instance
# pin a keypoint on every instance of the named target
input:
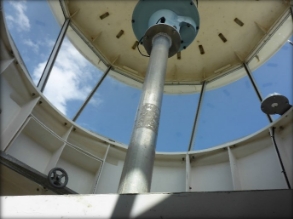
(104, 15)
(120, 34)
(135, 45)
(222, 37)
(239, 22)
(201, 49)
(178, 55)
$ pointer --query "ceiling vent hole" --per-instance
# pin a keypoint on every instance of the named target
(222, 37)
(201, 49)
(121, 32)
(239, 22)
(104, 15)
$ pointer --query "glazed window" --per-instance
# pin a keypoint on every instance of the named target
(176, 122)
(276, 74)
(72, 77)
(228, 112)
(111, 111)
(34, 30)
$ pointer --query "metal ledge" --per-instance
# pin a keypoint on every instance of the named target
(31, 173)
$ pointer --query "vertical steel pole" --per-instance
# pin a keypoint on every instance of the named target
(138, 167)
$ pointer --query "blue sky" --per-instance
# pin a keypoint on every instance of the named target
(227, 113)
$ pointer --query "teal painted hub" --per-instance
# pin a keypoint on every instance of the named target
(151, 16)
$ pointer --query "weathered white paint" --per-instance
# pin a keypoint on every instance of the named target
(187, 182)
(244, 204)
(234, 170)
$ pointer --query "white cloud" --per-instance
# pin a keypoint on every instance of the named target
(69, 78)
(20, 20)
(31, 44)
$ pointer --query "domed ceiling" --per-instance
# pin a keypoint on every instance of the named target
(229, 32)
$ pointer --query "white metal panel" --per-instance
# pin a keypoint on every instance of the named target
(9, 109)
(169, 176)
(259, 169)
(112, 169)
(211, 172)
(284, 140)
(30, 152)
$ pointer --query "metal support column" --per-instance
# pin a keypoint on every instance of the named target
(196, 116)
(272, 134)
(255, 87)
(46, 73)
(138, 167)
(91, 94)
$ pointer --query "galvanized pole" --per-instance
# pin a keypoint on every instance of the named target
(138, 167)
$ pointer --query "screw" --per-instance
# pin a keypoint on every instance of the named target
(133, 20)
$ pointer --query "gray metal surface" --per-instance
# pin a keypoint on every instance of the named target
(46, 73)
(138, 167)
(170, 31)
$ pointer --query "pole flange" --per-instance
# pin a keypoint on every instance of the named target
(164, 30)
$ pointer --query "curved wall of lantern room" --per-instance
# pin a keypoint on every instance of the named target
(227, 145)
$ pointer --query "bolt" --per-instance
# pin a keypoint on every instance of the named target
(184, 47)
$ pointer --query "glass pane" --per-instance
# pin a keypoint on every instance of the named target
(276, 75)
(176, 122)
(73, 76)
(228, 112)
(111, 112)
(34, 31)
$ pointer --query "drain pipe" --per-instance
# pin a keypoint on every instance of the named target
(272, 134)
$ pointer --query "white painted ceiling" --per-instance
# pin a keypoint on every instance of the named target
(217, 16)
